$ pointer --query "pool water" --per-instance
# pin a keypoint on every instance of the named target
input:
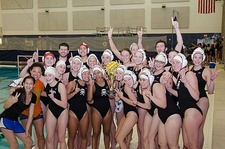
(7, 75)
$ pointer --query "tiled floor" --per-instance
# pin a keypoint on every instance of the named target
(218, 136)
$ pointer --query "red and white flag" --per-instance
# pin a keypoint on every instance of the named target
(206, 6)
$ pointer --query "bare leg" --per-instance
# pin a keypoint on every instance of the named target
(113, 126)
(192, 121)
(61, 125)
(72, 129)
(140, 124)
(147, 125)
(172, 127)
(204, 105)
(126, 126)
(96, 124)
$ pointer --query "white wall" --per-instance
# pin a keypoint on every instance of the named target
(25, 21)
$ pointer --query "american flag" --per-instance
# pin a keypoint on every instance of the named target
(206, 6)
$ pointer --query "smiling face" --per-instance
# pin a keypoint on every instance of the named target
(129, 81)
(49, 61)
(159, 65)
(119, 75)
(76, 65)
(49, 78)
(92, 62)
(125, 57)
(98, 75)
(36, 72)
(144, 83)
(138, 58)
(176, 65)
(197, 59)
(105, 59)
(160, 47)
(28, 84)
(86, 76)
(61, 69)
(63, 51)
(83, 51)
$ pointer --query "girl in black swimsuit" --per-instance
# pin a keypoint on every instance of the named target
(76, 64)
(101, 111)
(205, 77)
(188, 95)
(57, 112)
(130, 118)
(78, 115)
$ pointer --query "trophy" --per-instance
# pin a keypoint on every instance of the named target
(111, 71)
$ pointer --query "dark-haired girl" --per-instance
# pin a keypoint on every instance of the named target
(36, 70)
(101, 111)
(78, 114)
(21, 99)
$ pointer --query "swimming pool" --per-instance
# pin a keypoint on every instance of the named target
(7, 75)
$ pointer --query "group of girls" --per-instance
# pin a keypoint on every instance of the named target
(161, 97)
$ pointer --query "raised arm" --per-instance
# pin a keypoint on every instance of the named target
(112, 45)
(140, 34)
(178, 34)
(210, 77)
(24, 72)
(11, 100)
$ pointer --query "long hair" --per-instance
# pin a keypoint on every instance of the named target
(23, 93)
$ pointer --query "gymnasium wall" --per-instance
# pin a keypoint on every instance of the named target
(30, 24)
(55, 17)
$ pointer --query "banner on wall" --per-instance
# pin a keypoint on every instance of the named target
(206, 6)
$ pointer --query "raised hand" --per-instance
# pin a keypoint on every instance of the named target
(182, 75)
(175, 23)
(119, 93)
(15, 98)
(30, 61)
(110, 32)
(151, 62)
(214, 74)
(140, 33)
(77, 89)
(71, 57)
(91, 81)
(35, 56)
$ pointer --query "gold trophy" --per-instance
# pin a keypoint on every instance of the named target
(111, 71)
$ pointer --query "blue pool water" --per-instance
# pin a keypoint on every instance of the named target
(6, 77)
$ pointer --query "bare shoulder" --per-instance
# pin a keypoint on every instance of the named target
(190, 67)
